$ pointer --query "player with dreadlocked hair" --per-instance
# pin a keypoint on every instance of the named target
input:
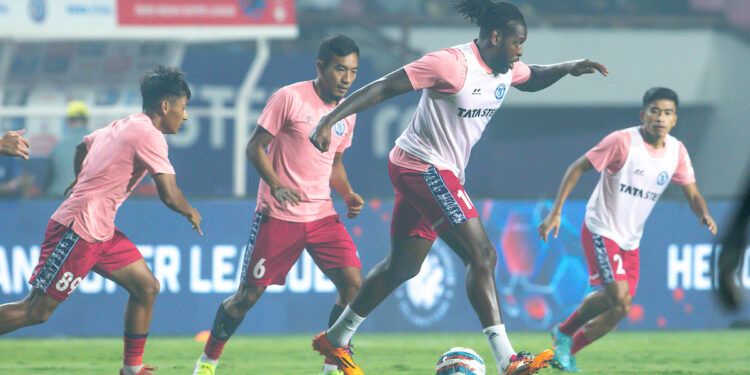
(462, 87)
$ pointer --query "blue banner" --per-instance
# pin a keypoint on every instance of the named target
(539, 283)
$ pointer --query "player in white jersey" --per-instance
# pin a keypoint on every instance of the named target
(462, 87)
(636, 165)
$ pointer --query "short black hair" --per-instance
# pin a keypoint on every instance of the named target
(338, 45)
(489, 15)
(162, 83)
(656, 93)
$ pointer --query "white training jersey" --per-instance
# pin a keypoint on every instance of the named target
(621, 202)
(445, 127)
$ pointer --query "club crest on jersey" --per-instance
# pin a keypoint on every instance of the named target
(662, 178)
(500, 91)
(340, 128)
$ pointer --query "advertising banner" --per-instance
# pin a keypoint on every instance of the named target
(539, 283)
(190, 20)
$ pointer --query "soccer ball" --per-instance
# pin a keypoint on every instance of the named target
(460, 360)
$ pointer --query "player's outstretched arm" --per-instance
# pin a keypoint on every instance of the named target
(14, 144)
(698, 206)
(172, 197)
(256, 154)
(543, 76)
(393, 84)
(569, 181)
(340, 182)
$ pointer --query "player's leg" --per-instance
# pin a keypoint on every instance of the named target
(121, 262)
(64, 260)
(411, 240)
(273, 247)
(409, 247)
(36, 308)
(619, 293)
(334, 252)
(470, 242)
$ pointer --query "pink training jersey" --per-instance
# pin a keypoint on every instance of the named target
(118, 157)
(460, 93)
(633, 177)
(290, 114)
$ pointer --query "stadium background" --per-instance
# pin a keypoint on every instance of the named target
(52, 52)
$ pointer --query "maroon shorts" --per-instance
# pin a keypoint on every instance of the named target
(65, 259)
(428, 202)
(275, 245)
(608, 262)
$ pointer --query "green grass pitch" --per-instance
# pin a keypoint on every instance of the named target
(689, 352)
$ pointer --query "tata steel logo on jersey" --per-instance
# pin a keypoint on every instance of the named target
(37, 10)
(500, 91)
(662, 178)
(425, 299)
(340, 128)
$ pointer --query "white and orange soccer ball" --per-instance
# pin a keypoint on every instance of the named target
(458, 360)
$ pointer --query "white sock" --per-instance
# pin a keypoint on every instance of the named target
(131, 370)
(500, 345)
(329, 367)
(206, 359)
(342, 331)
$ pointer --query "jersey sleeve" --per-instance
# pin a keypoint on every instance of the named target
(348, 141)
(443, 71)
(611, 152)
(521, 73)
(153, 151)
(88, 139)
(684, 174)
(277, 111)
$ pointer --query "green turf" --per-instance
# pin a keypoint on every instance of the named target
(697, 352)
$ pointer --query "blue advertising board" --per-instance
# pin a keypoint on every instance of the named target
(538, 283)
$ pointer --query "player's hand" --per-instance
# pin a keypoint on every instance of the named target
(354, 205)
(320, 136)
(14, 144)
(195, 218)
(283, 194)
(708, 221)
(69, 189)
(550, 222)
(585, 67)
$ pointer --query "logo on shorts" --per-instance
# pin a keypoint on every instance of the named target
(662, 178)
(500, 91)
(340, 128)
(37, 10)
(426, 298)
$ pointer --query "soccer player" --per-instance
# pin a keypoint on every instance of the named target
(295, 210)
(636, 165)
(81, 235)
(733, 246)
(14, 144)
(462, 87)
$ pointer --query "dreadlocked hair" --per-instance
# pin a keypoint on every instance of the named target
(489, 15)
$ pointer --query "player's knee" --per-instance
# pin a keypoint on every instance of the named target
(148, 290)
(38, 315)
(484, 258)
(250, 295)
(622, 305)
(404, 272)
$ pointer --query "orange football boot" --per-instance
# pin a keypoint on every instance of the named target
(341, 356)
